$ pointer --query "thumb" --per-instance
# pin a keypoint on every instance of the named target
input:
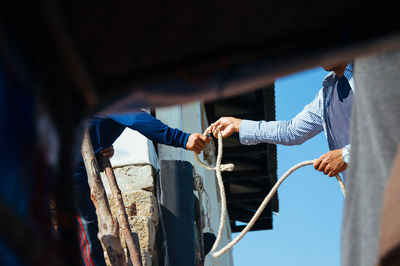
(203, 137)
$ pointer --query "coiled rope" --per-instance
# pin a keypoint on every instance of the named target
(229, 167)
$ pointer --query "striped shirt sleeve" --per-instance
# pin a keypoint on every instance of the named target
(303, 126)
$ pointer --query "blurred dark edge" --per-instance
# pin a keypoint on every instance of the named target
(80, 57)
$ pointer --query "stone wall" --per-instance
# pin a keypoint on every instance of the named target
(136, 182)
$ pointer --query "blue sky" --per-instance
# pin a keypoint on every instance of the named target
(308, 229)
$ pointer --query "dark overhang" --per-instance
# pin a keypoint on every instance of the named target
(151, 54)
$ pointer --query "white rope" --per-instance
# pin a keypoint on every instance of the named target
(229, 167)
(218, 169)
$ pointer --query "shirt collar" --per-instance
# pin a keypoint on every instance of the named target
(348, 72)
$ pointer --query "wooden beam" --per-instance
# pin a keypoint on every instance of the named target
(108, 225)
(134, 251)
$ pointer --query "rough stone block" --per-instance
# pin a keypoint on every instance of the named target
(141, 209)
(138, 203)
(132, 177)
(146, 231)
(136, 183)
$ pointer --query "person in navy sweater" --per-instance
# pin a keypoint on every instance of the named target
(103, 131)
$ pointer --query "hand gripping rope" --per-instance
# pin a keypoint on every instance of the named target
(229, 167)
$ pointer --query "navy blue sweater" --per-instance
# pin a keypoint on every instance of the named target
(104, 130)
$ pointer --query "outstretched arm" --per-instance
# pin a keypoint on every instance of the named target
(302, 127)
(159, 132)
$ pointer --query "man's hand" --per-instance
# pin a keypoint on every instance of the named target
(331, 163)
(108, 152)
(196, 142)
(226, 125)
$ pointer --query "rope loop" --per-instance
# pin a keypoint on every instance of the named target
(218, 166)
(229, 167)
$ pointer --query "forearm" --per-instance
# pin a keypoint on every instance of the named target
(275, 132)
(164, 134)
(154, 129)
(302, 127)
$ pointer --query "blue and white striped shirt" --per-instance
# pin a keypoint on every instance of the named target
(312, 120)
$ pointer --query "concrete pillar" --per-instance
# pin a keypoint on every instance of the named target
(177, 211)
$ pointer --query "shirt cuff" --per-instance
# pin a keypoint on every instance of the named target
(346, 153)
(247, 131)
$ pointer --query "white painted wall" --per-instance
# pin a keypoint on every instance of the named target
(133, 148)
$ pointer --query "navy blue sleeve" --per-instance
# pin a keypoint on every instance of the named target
(103, 132)
(153, 128)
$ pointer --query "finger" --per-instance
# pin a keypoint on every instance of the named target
(218, 128)
(327, 170)
(218, 122)
(215, 124)
(199, 143)
(332, 173)
(198, 147)
(322, 166)
(192, 147)
(211, 128)
(197, 151)
(208, 140)
(317, 163)
(203, 137)
(202, 144)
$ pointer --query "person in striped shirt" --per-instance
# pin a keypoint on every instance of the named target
(330, 111)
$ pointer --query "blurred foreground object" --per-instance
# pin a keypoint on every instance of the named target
(64, 60)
